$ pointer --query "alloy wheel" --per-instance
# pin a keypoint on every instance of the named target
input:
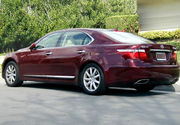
(91, 79)
(11, 74)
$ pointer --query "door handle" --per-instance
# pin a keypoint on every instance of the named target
(81, 51)
(49, 53)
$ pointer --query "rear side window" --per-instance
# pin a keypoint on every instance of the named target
(74, 38)
(125, 37)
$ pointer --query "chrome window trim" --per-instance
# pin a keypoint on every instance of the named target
(92, 39)
(160, 50)
(50, 76)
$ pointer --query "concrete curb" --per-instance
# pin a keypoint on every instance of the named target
(170, 88)
(178, 82)
(173, 88)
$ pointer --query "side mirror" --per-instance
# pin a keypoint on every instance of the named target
(32, 46)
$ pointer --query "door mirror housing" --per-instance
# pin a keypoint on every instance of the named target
(33, 46)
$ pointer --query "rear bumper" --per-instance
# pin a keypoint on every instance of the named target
(157, 75)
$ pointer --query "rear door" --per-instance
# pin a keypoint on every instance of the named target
(69, 54)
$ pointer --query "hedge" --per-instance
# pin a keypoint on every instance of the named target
(174, 43)
(128, 23)
(160, 35)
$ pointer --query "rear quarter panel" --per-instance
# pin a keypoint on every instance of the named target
(108, 58)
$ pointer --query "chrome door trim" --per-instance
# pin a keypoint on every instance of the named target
(50, 76)
(49, 53)
(81, 51)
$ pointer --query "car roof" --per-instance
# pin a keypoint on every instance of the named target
(85, 29)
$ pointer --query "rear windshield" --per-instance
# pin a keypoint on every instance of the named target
(125, 37)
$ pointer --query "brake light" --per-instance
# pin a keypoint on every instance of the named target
(133, 53)
(175, 55)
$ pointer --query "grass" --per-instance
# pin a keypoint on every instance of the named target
(178, 57)
(3, 54)
(0, 68)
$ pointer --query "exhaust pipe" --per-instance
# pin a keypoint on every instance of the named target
(142, 82)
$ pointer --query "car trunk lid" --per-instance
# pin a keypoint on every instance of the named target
(160, 54)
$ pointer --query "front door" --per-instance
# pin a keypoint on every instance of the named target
(34, 62)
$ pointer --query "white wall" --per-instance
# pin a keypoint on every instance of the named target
(159, 14)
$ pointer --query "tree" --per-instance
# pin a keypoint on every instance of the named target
(24, 21)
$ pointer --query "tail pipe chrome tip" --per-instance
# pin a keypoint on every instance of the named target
(142, 82)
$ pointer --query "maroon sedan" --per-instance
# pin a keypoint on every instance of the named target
(93, 59)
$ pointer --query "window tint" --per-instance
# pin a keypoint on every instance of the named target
(125, 37)
(49, 41)
(74, 38)
(87, 40)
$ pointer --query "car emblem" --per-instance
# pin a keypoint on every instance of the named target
(162, 46)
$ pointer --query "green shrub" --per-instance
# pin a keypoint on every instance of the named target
(160, 35)
(173, 43)
(122, 7)
(127, 23)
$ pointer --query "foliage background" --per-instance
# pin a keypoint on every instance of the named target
(161, 35)
(128, 23)
(24, 21)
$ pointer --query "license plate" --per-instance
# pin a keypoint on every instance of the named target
(161, 56)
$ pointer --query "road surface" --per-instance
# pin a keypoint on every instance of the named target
(52, 104)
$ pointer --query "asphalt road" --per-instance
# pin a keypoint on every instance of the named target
(50, 104)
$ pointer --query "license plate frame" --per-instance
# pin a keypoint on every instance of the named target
(161, 56)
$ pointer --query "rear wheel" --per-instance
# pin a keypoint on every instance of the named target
(11, 73)
(92, 79)
(144, 88)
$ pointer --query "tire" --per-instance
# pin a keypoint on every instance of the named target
(144, 88)
(92, 79)
(11, 73)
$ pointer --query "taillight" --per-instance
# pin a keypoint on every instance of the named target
(175, 55)
(133, 53)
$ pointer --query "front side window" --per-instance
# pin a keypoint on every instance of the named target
(125, 37)
(49, 41)
(74, 39)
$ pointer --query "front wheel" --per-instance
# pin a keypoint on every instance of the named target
(11, 73)
(92, 79)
